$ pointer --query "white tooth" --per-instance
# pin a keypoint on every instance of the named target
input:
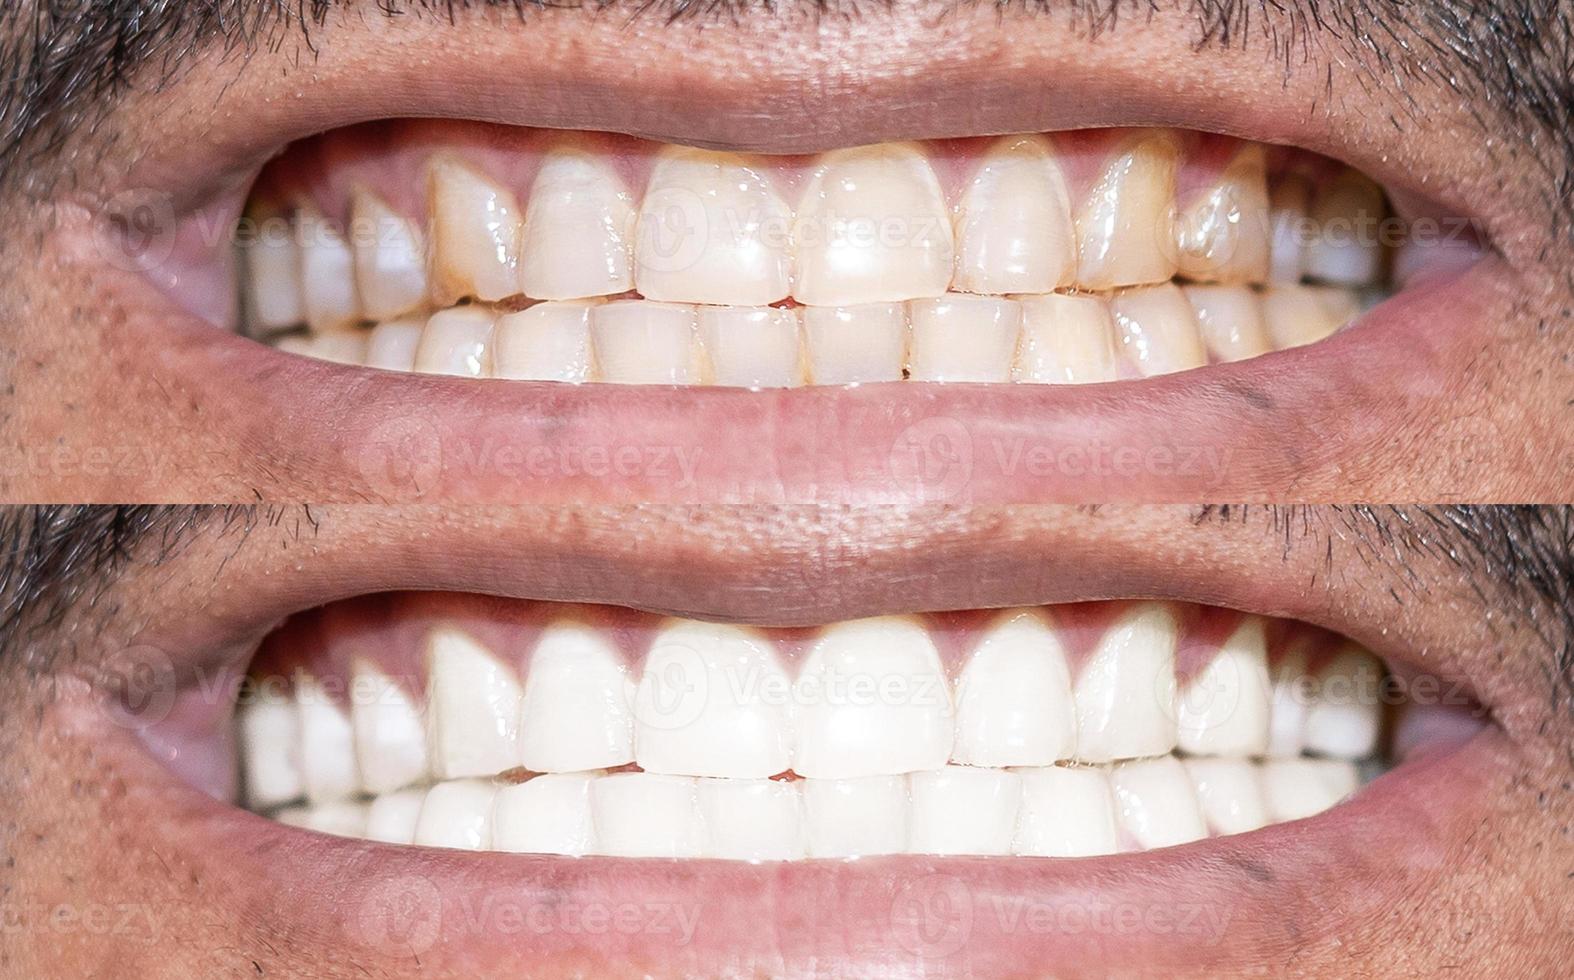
(872, 227)
(1124, 226)
(1289, 202)
(962, 338)
(457, 814)
(1156, 802)
(752, 819)
(1014, 229)
(339, 347)
(545, 815)
(1066, 340)
(341, 818)
(962, 810)
(390, 735)
(712, 230)
(579, 230)
(642, 814)
(392, 817)
(1347, 217)
(1292, 696)
(849, 818)
(472, 703)
(646, 343)
(1223, 236)
(576, 711)
(1231, 321)
(1126, 692)
(713, 701)
(547, 342)
(273, 277)
(873, 700)
(854, 344)
(752, 347)
(475, 228)
(1158, 330)
(294, 816)
(1223, 709)
(1230, 794)
(328, 767)
(269, 735)
(1065, 813)
(457, 342)
(1013, 702)
(1345, 715)
(327, 275)
(393, 344)
(1300, 315)
(1298, 788)
(390, 258)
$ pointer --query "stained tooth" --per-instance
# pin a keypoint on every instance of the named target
(962, 338)
(856, 817)
(269, 735)
(853, 344)
(1230, 794)
(752, 347)
(1223, 236)
(1300, 315)
(579, 230)
(545, 815)
(392, 817)
(712, 230)
(1223, 709)
(872, 228)
(1158, 330)
(328, 767)
(472, 703)
(1066, 812)
(390, 258)
(273, 277)
(962, 810)
(1231, 321)
(393, 344)
(341, 818)
(1014, 231)
(390, 736)
(1345, 715)
(547, 342)
(1125, 694)
(1013, 702)
(752, 819)
(638, 342)
(457, 814)
(1347, 216)
(873, 700)
(475, 229)
(1289, 203)
(327, 275)
(457, 342)
(576, 713)
(1292, 696)
(1156, 802)
(340, 347)
(1298, 788)
(1066, 340)
(641, 814)
(1124, 226)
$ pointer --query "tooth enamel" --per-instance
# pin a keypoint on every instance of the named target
(1230, 794)
(545, 815)
(341, 818)
(1298, 788)
(1066, 812)
(872, 227)
(1014, 231)
(1156, 803)
(1289, 203)
(579, 230)
(1013, 702)
(547, 342)
(1345, 714)
(390, 736)
(848, 818)
(392, 345)
(962, 338)
(1066, 340)
(1125, 694)
(1124, 227)
(472, 708)
(752, 819)
(873, 700)
(457, 814)
(752, 347)
(457, 342)
(327, 275)
(392, 817)
(1292, 697)
(1345, 249)
(576, 712)
(390, 258)
(340, 347)
(273, 277)
(475, 228)
(1300, 315)
(328, 768)
(853, 344)
(1223, 709)
(712, 230)
(1158, 330)
(961, 810)
(269, 734)
(641, 814)
(1223, 235)
(638, 342)
(1230, 319)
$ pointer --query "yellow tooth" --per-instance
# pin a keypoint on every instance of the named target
(457, 342)
(1125, 226)
(393, 344)
(1300, 315)
(962, 338)
(1066, 340)
(273, 276)
(856, 344)
(1345, 249)
(639, 342)
(1223, 235)
(579, 230)
(1288, 204)
(1231, 321)
(1158, 330)
(475, 228)
(339, 347)
(752, 347)
(390, 258)
(327, 274)
(1014, 228)
(547, 342)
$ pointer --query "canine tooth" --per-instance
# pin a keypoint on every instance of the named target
(1223, 709)
(873, 700)
(1345, 249)
(392, 817)
(547, 342)
(638, 342)
(962, 810)
(341, 818)
(1289, 202)
(1230, 794)
(856, 817)
(752, 347)
(576, 712)
(1013, 702)
(457, 814)
(472, 703)
(390, 736)
(273, 276)
(1292, 697)
(962, 338)
(1066, 340)
(392, 345)
(1156, 802)
(1014, 231)
(1125, 695)
(458, 342)
(579, 230)
(872, 227)
(475, 229)
(327, 275)
(752, 819)
(712, 230)
(1066, 812)
(269, 734)
(1230, 319)
(1223, 235)
(545, 815)
(1345, 715)
(855, 344)
(390, 258)
(1124, 227)
(1158, 330)
(1298, 788)
(1300, 315)
(642, 814)
(328, 767)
